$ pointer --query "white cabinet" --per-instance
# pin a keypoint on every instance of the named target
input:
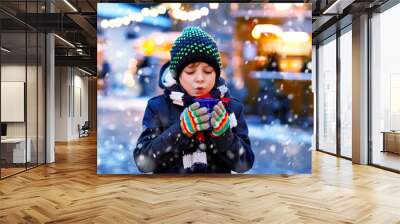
(18, 149)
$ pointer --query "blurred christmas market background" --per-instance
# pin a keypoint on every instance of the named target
(266, 57)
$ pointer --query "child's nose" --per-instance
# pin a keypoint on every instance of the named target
(199, 77)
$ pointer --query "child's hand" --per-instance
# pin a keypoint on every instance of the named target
(219, 120)
(194, 118)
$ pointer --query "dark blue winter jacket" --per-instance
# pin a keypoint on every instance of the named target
(161, 144)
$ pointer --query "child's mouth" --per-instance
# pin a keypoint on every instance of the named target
(199, 89)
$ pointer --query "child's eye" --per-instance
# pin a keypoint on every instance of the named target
(208, 72)
(189, 72)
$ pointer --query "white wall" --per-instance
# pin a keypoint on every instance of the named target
(71, 93)
(80, 100)
(16, 73)
(11, 73)
(33, 127)
(62, 81)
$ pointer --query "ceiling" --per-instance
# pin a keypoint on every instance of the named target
(330, 15)
(74, 22)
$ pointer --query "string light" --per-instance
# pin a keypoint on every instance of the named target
(145, 11)
(175, 6)
(204, 11)
(214, 5)
(176, 12)
(282, 6)
(292, 36)
(266, 28)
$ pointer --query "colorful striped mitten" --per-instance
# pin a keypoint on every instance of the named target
(220, 120)
(194, 119)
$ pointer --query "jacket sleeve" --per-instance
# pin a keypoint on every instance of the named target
(234, 146)
(156, 147)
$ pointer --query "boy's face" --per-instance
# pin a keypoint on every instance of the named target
(197, 78)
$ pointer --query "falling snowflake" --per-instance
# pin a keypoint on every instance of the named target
(272, 148)
(230, 154)
(111, 127)
(140, 158)
(120, 156)
(241, 151)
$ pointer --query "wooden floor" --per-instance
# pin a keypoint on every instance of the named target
(5, 172)
(10, 171)
(70, 191)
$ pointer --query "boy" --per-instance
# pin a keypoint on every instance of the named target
(179, 135)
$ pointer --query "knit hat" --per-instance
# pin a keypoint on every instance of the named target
(194, 45)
